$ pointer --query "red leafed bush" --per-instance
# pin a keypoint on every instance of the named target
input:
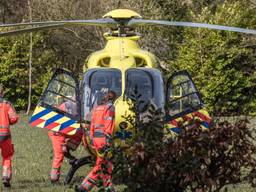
(196, 160)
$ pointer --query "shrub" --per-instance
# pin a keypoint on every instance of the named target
(196, 160)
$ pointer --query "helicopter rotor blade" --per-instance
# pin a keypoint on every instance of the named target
(37, 26)
(145, 22)
(30, 29)
(109, 22)
(105, 22)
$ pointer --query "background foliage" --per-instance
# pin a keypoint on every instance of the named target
(221, 63)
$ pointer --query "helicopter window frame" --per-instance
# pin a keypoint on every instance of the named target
(90, 79)
(156, 79)
(56, 93)
(169, 88)
(95, 70)
(147, 73)
(87, 83)
(65, 83)
(41, 102)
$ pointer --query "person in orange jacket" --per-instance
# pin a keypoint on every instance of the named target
(8, 116)
(62, 144)
(101, 130)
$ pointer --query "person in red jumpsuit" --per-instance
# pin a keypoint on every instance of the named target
(62, 144)
(101, 130)
(8, 116)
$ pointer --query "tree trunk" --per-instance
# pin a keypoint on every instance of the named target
(30, 60)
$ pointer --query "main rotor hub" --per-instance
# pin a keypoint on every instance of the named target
(122, 14)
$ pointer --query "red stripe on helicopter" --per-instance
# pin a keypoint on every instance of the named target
(52, 125)
(186, 118)
(174, 122)
(203, 117)
(67, 129)
(36, 122)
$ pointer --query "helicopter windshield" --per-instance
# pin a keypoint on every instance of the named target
(148, 83)
(96, 83)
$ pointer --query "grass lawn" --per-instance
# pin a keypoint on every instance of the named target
(33, 158)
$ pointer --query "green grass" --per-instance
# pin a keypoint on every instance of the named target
(33, 158)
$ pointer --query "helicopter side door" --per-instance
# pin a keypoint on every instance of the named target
(183, 102)
(58, 109)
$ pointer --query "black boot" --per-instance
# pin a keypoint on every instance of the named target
(6, 182)
(79, 189)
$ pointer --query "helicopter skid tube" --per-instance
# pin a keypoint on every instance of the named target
(79, 163)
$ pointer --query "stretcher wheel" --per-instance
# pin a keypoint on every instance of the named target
(79, 163)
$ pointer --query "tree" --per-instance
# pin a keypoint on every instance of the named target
(30, 60)
(222, 63)
(71, 45)
(12, 11)
(14, 58)
(53, 49)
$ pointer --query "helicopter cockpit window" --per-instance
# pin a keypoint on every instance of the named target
(148, 83)
(183, 96)
(96, 83)
(61, 94)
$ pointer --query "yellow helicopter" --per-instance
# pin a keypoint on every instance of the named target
(121, 66)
